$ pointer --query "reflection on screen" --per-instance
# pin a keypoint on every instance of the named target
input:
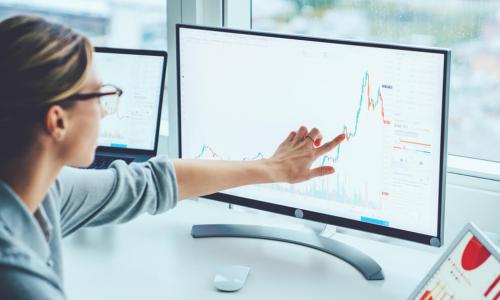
(242, 94)
(133, 124)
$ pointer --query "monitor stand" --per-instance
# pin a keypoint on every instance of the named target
(368, 267)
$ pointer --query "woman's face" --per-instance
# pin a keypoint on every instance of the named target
(84, 117)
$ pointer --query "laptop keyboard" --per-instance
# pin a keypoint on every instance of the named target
(103, 162)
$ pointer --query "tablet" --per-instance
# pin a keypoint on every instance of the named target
(468, 269)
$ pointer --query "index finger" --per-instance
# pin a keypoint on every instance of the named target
(327, 147)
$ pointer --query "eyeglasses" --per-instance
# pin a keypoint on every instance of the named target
(109, 97)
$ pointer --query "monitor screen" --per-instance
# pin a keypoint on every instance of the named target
(241, 93)
(470, 271)
(134, 124)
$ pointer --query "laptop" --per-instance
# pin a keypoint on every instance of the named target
(130, 132)
(468, 269)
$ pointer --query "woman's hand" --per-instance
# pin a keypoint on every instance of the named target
(295, 155)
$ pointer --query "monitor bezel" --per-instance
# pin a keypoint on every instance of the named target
(436, 240)
(143, 52)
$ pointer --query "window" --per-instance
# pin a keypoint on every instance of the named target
(114, 23)
(470, 28)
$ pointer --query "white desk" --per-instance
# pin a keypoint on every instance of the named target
(168, 263)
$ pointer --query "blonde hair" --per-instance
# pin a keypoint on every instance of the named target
(40, 63)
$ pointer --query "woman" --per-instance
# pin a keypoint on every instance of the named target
(50, 108)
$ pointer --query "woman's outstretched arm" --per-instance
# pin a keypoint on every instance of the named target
(290, 163)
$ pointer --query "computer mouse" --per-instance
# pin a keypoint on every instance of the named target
(231, 278)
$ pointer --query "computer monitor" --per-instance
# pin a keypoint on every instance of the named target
(240, 93)
(141, 75)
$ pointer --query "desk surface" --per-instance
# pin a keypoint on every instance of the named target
(168, 263)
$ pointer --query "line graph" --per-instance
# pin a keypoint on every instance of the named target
(331, 189)
(371, 106)
(326, 159)
(208, 153)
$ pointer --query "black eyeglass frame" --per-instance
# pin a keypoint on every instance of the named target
(39, 110)
(88, 96)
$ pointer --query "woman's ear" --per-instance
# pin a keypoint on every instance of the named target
(56, 122)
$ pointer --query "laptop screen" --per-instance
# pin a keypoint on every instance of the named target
(469, 271)
(134, 125)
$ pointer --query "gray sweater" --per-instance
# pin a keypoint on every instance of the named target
(30, 244)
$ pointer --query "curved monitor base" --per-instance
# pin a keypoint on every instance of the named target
(368, 267)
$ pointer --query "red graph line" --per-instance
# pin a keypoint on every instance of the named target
(491, 287)
(426, 296)
(415, 143)
(373, 104)
(382, 111)
(365, 85)
(370, 102)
